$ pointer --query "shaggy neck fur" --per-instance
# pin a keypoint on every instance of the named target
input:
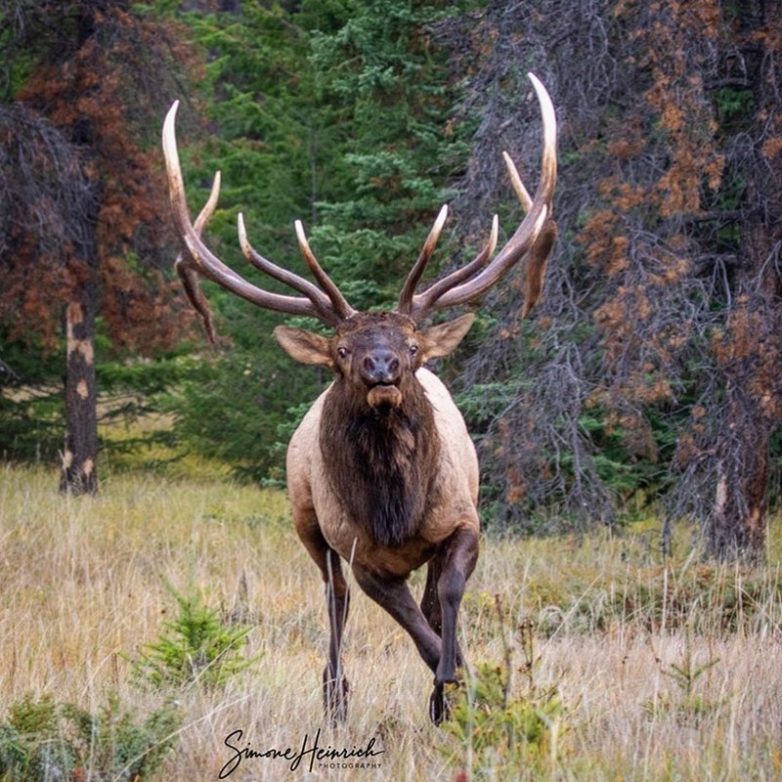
(381, 463)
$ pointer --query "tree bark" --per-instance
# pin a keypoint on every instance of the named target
(737, 528)
(80, 454)
(79, 458)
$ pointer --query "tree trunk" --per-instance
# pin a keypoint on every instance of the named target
(737, 528)
(79, 459)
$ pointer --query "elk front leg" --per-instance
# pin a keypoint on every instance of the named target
(335, 684)
(460, 554)
(393, 594)
(430, 602)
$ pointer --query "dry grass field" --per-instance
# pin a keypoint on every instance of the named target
(659, 670)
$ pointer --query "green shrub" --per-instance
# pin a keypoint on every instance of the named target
(44, 740)
(502, 732)
(685, 701)
(198, 646)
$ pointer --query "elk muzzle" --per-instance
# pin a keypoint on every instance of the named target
(380, 367)
(381, 372)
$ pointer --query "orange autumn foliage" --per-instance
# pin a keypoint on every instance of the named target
(96, 94)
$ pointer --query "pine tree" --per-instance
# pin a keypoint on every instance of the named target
(387, 89)
(360, 152)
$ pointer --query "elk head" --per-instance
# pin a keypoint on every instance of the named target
(373, 351)
(375, 354)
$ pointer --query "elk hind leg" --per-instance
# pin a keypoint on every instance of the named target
(335, 684)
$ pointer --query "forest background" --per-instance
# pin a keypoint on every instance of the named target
(623, 621)
(648, 377)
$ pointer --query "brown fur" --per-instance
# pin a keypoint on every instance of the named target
(383, 472)
(382, 461)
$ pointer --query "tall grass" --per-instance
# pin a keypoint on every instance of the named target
(86, 585)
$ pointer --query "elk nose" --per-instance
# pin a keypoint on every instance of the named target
(381, 366)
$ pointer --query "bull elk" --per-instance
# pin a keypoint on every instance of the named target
(382, 472)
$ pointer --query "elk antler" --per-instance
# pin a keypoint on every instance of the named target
(328, 304)
(408, 289)
(188, 276)
(533, 238)
(341, 307)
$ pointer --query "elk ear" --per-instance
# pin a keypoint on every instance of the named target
(304, 346)
(442, 339)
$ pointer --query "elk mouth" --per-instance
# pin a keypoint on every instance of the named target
(384, 395)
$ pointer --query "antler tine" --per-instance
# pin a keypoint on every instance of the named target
(197, 257)
(408, 289)
(315, 295)
(339, 302)
(465, 272)
(188, 276)
(535, 234)
(205, 215)
(537, 258)
(524, 197)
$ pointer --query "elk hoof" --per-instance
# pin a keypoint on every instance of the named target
(442, 697)
(439, 703)
(438, 709)
(335, 698)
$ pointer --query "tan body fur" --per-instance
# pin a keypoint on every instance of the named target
(315, 503)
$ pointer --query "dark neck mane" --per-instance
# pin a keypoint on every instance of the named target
(381, 465)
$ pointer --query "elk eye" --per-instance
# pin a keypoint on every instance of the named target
(342, 352)
(413, 350)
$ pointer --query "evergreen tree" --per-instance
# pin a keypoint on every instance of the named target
(387, 87)
(83, 234)
(333, 114)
